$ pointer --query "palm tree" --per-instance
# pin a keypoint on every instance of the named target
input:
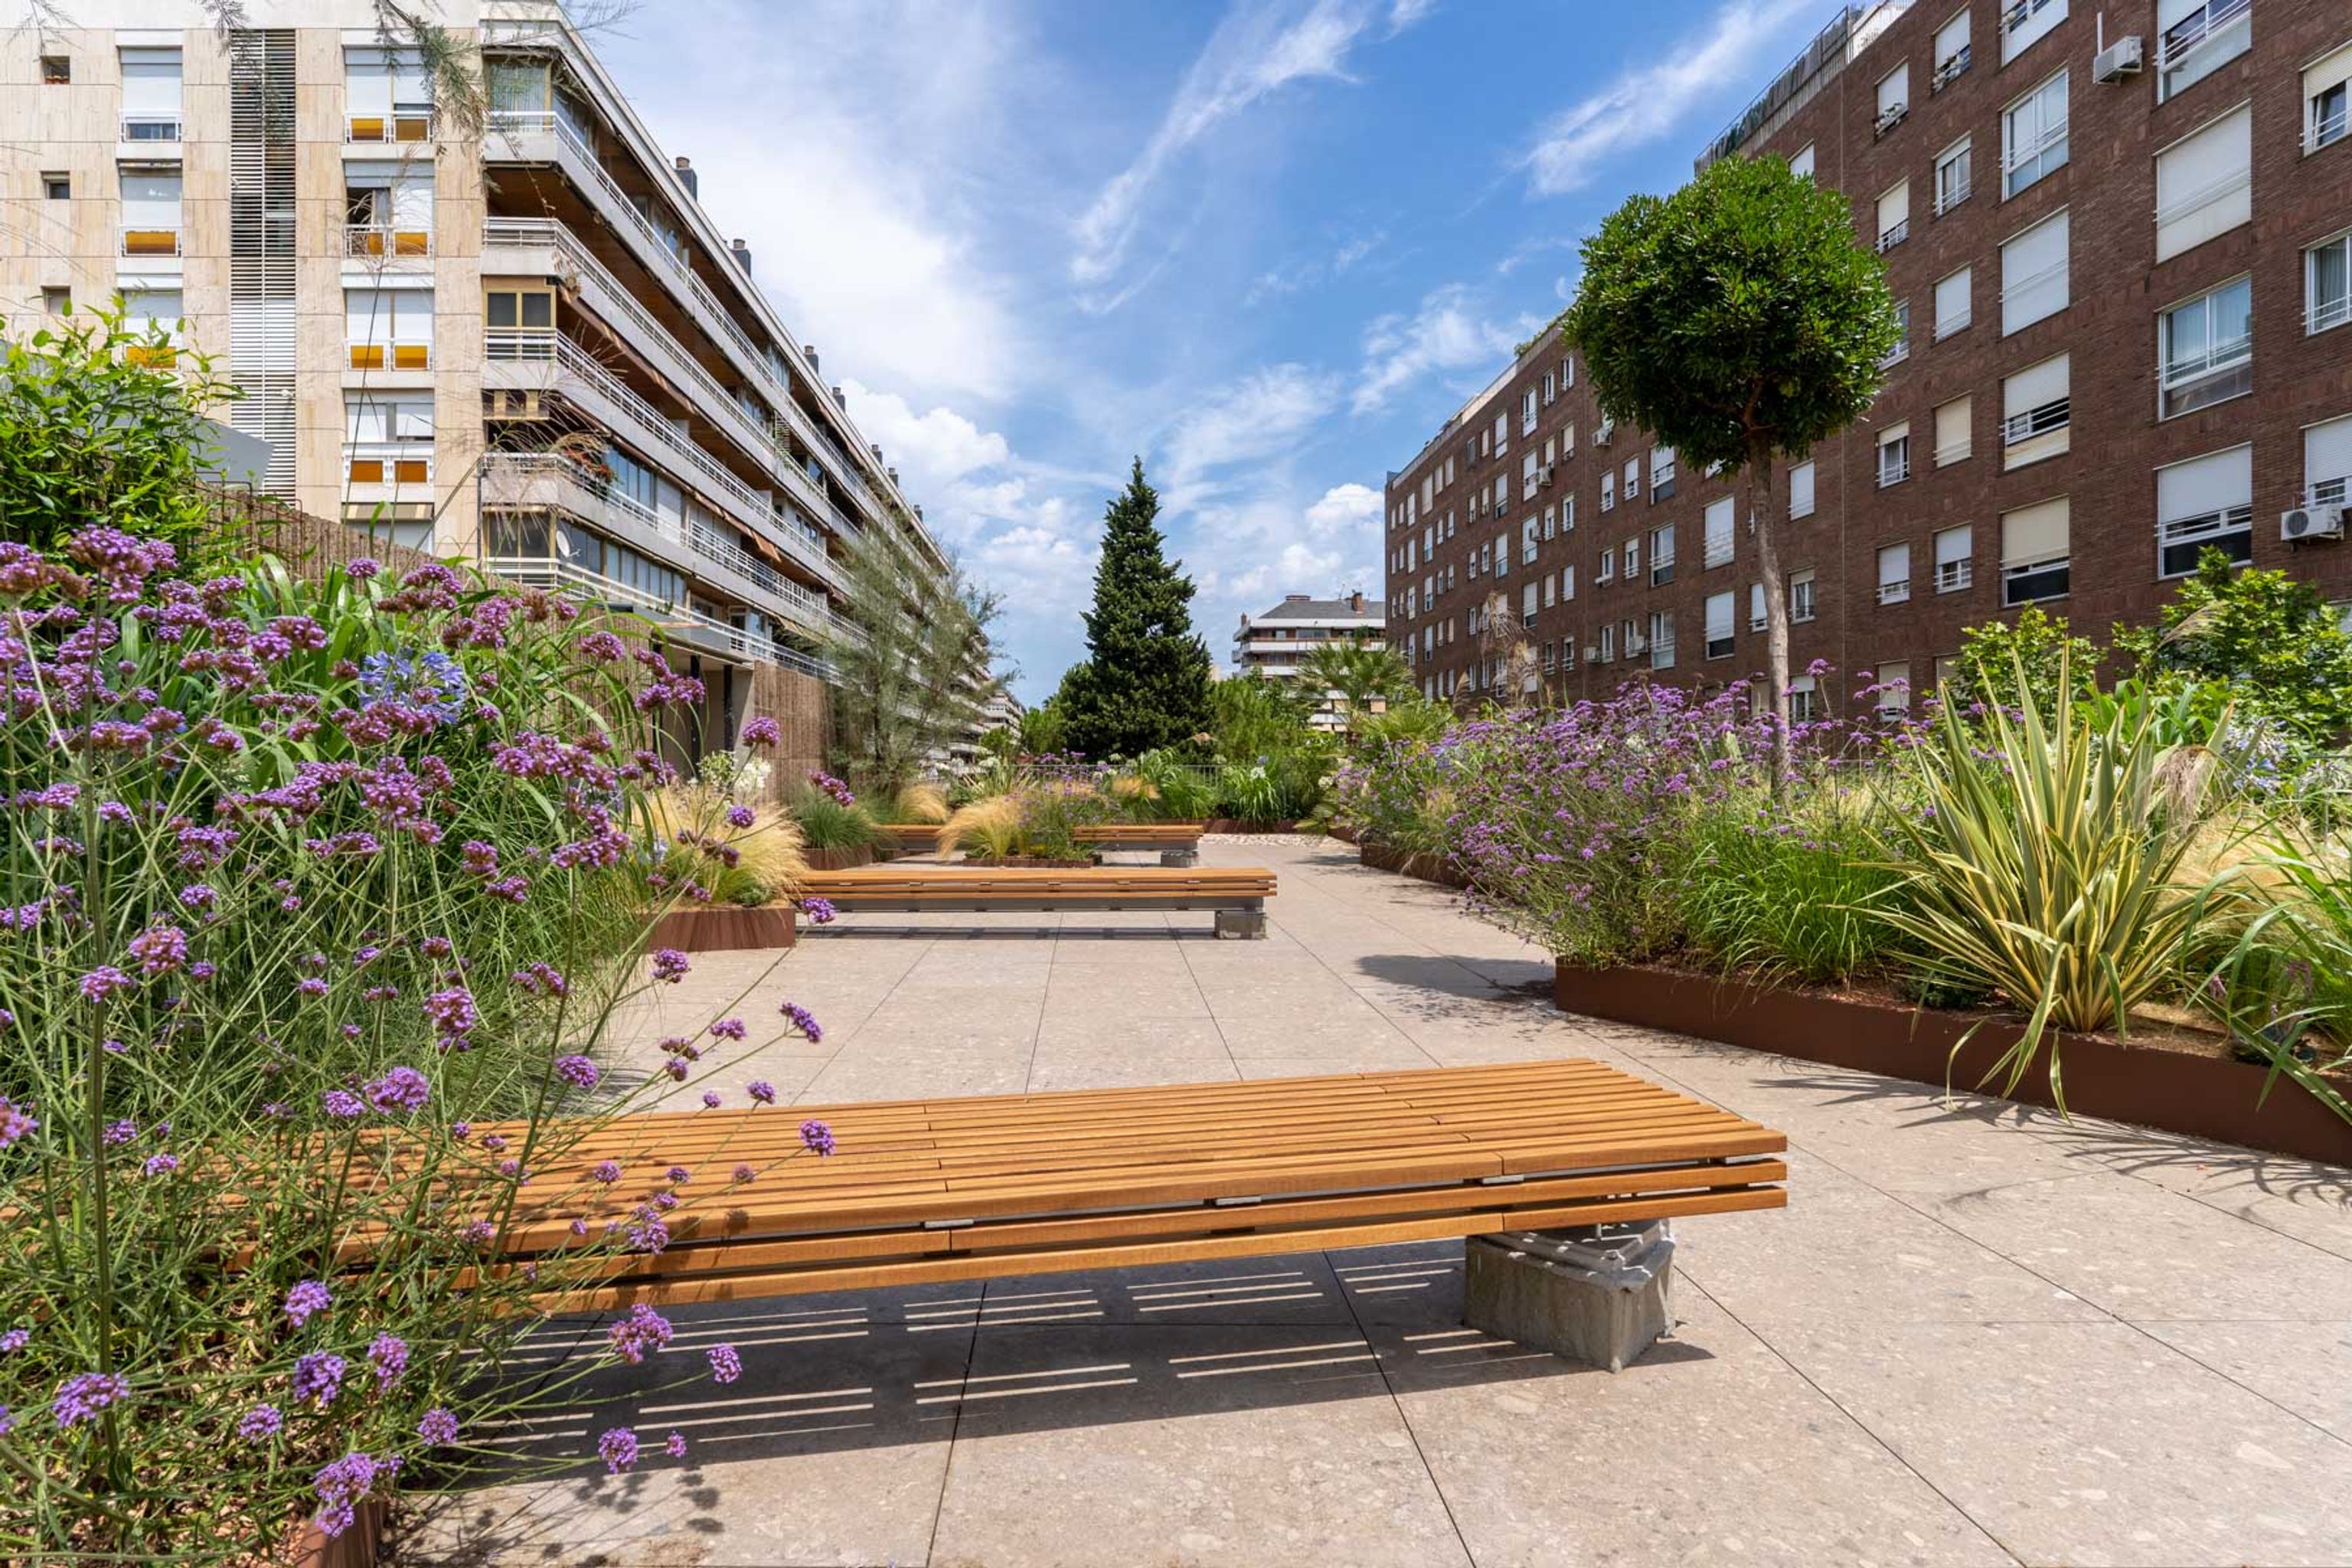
(1359, 673)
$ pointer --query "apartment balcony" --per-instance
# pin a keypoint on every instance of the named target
(149, 128)
(536, 482)
(540, 137)
(400, 355)
(407, 124)
(552, 250)
(707, 634)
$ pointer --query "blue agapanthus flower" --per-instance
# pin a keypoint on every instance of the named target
(432, 682)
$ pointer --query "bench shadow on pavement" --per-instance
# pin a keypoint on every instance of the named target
(893, 1368)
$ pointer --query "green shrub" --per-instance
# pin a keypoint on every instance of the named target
(1789, 896)
(826, 824)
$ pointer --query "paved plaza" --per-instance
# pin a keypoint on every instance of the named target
(1976, 1335)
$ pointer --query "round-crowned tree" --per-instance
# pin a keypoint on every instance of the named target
(1740, 321)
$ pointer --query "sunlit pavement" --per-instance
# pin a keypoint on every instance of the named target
(1976, 1335)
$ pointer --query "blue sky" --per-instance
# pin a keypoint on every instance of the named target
(1269, 245)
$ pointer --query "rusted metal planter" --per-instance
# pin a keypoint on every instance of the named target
(724, 927)
(1423, 865)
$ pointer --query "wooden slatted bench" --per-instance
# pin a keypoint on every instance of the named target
(1179, 843)
(1237, 894)
(924, 1190)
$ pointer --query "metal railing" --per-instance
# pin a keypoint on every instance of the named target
(2194, 31)
(2051, 139)
(1951, 576)
(147, 239)
(1954, 452)
(149, 128)
(1888, 239)
(1717, 552)
(1896, 592)
(375, 240)
(1892, 469)
(2054, 414)
(657, 250)
(1948, 197)
(562, 577)
(1950, 69)
(2326, 313)
(411, 125)
(2327, 129)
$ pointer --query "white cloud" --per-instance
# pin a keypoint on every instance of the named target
(1343, 508)
(1445, 334)
(1641, 106)
(936, 447)
(1261, 415)
(1256, 51)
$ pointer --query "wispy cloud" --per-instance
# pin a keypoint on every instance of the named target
(1447, 333)
(1256, 51)
(1260, 416)
(1641, 106)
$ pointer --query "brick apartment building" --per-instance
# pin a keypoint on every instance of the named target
(2122, 242)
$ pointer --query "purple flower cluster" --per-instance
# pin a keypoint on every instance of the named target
(344, 1484)
(400, 1089)
(820, 911)
(726, 1365)
(82, 1396)
(816, 1138)
(670, 965)
(801, 1018)
(618, 1449)
(17, 1122)
(642, 1331)
(578, 1072)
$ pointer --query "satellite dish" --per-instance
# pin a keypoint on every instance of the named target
(562, 545)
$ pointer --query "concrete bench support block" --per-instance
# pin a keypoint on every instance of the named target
(1597, 1294)
(1241, 922)
(1189, 855)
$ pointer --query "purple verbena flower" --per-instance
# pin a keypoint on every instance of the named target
(305, 1300)
(726, 1365)
(618, 1449)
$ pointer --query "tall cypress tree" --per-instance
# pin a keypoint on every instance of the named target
(1145, 680)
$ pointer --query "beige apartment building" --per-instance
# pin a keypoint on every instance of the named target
(1277, 643)
(511, 334)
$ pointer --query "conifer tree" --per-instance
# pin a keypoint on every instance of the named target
(1145, 680)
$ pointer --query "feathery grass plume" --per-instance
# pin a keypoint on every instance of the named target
(921, 801)
(990, 828)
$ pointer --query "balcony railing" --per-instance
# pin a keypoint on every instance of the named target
(403, 124)
(2197, 381)
(1950, 69)
(151, 127)
(2193, 32)
(1953, 452)
(656, 249)
(1945, 327)
(148, 239)
(1896, 592)
(2020, 428)
(2327, 129)
(1893, 468)
(2049, 143)
(1951, 195)
(562, 577)
(372, 240)
(1888, 239)
(1951, 576)
(1900, 352)
(406, 353)
(2327, 313)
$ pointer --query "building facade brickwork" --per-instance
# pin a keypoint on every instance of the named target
(2083, 277)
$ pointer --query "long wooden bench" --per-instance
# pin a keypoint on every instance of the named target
(1179, 843)
(1237, 894)
(929, 1189)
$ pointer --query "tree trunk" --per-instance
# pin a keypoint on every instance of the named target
(1765, 516)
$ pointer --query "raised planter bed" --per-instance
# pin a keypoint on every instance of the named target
(724, 928)
(1342, 832)
(838, 859)
(1426, 867)
(361, 1546)
(2202, 1094)
(1236, 824)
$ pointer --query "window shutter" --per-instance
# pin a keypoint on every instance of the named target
(1954, 435)
(1894, 88)
(1893, 563)
(1895, 207)
(1953, 307)
(1801, 489)
(1952, 37)
(2327, 452)
(151, 200)
(2032, 387)
(2204, 185)
(1954, 545)
(1718, 617)
(367, 84)
(1718, 529)
(150, 84)
(2033, 274)
(2202, 485)
(2034, 533)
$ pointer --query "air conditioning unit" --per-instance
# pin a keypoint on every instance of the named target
(1543, 476)
(1636, 644)
(2117, 61)
(1593, 653)
(2302, 524)
(1601, 432)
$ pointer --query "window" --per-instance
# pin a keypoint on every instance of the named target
(1801, 490)
(1662, 555)
(1955, 558)
(1502, 434)
(2205, 503)
(1550, 523)
(1632, 558)
(1894, 99)
(1802, 164)
(1952, 175)
(1955, 306)
(1501, 490)
(1567, 372)
(2034, 282)
(388, 329)
(1804, 699)
(1718, 533)
(2204, 183)
(57, 187)
(1901, 349)
(1719, 609)
(1951, 51)
(388, 96)
(2034, 136)
(2327, 463)
(1894, 217)
(1502, 555)
(1894, 454)
(57, 70)
(2024, 21)
(157, 315)
(1550, 385)
(1633, 477)
(56, 301)
(151, 209)
(1893, 687)
(2328, 284)
(1608, 645)
(150, 95)
(1568, 514)
(2034, 552)
(1955, 430)
(2036, 411)
(1551, 591)
(2206, 349)
(1894, 573)
(2196, 37)
(1662, 639)
(1567, 583)
(1528, 543)
(1608, 572)
(1661, 474)
(1527, 602)
(1801, 595)
(1528, 474)
(2326, 113)
(1528, 413)
(388, 437)
(1756, 606)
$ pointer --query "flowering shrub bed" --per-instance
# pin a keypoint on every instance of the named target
(303, 883)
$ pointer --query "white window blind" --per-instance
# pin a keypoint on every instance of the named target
(1955, 558)
(2204, 183)
(1895, 90)
(151, 199)
(150, 85)
(1955, 427)
(1719, 531)
(1954, 302)
(2216, 482)
(2034, 533)
(1801, 490)
(1801, 165)
(1894, 569)
(1950, 39)
(1756, 606)
(1662, 465)
(2034, 280)
(2024, 21)
(1895, 214)
(1720, 610)
(2036, 384)
(2328, 460)
(2327, 103)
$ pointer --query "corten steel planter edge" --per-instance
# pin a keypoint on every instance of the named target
(2114, 1080)
(838, 859)
(1421, 864)
(361, 1546)
(725, 929)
